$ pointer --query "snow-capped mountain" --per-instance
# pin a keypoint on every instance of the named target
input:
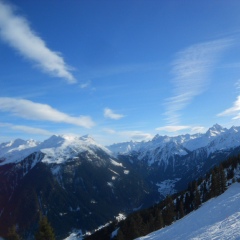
(181, 159)
(56, 149)
(163, 148)
(16, 150)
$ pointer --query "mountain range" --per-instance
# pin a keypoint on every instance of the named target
(80, 184)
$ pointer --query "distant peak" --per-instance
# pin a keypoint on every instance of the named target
(17, 142)
(216, 129)
(87, 137)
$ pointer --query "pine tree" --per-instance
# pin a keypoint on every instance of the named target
(169, 211)
(197, 198)
(214, 185)
(45, 231)
(181, 210)
(12, 234)
(223, 180)
(187, 203)
(204, 191)
(159, 220)
(120, 235)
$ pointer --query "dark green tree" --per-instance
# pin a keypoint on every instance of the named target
(214, 185)
(223, 180)
(169, 211)
(45, 231)
(158, 223)
(181, 210)
(197, 197)
(187, 203)
(12, 234)
(120, 235)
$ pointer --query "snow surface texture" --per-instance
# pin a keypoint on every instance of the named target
(219, 218)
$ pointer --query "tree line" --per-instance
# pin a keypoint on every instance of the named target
(44, 232)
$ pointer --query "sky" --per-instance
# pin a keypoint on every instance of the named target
(118, 70)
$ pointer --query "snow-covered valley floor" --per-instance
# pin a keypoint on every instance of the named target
(219, 218)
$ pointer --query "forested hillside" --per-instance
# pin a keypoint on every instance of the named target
(174, 207)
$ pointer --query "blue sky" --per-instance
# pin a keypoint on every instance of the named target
(118, 70)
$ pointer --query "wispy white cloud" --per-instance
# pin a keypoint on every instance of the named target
(38, 111)
(134, 135)
(15, 31)
(137, 135)
(198, 129)
(176, 128)
(234, 110)
(108, 113)
(109, 130)
(191, 69)
(27, 129)
(172, 128)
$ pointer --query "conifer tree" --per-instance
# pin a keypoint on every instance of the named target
(45, 231)
(187, 203)
(197, 198)
(12, 234)
(159, 220)
(181, 210)
(213, 190)
(169, 211)
(120, 235)
(223, 180)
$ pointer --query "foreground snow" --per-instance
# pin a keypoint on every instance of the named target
(219, 218)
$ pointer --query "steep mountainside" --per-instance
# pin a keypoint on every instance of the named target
(183, 158)
(183, 205)
(74, 181)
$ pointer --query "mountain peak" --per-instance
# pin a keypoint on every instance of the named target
(215, 130)
(216, 126)
(87, 138)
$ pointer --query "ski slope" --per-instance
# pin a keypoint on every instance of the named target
(219, 218)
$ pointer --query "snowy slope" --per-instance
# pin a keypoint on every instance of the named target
(16, 150)
(219, 218)
(58, 149)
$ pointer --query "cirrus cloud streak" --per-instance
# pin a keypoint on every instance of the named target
(135, 135)
(191, 69)
(27, 129)
(37, 111)
(234, 110)
(16, 32)
(175, 128)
